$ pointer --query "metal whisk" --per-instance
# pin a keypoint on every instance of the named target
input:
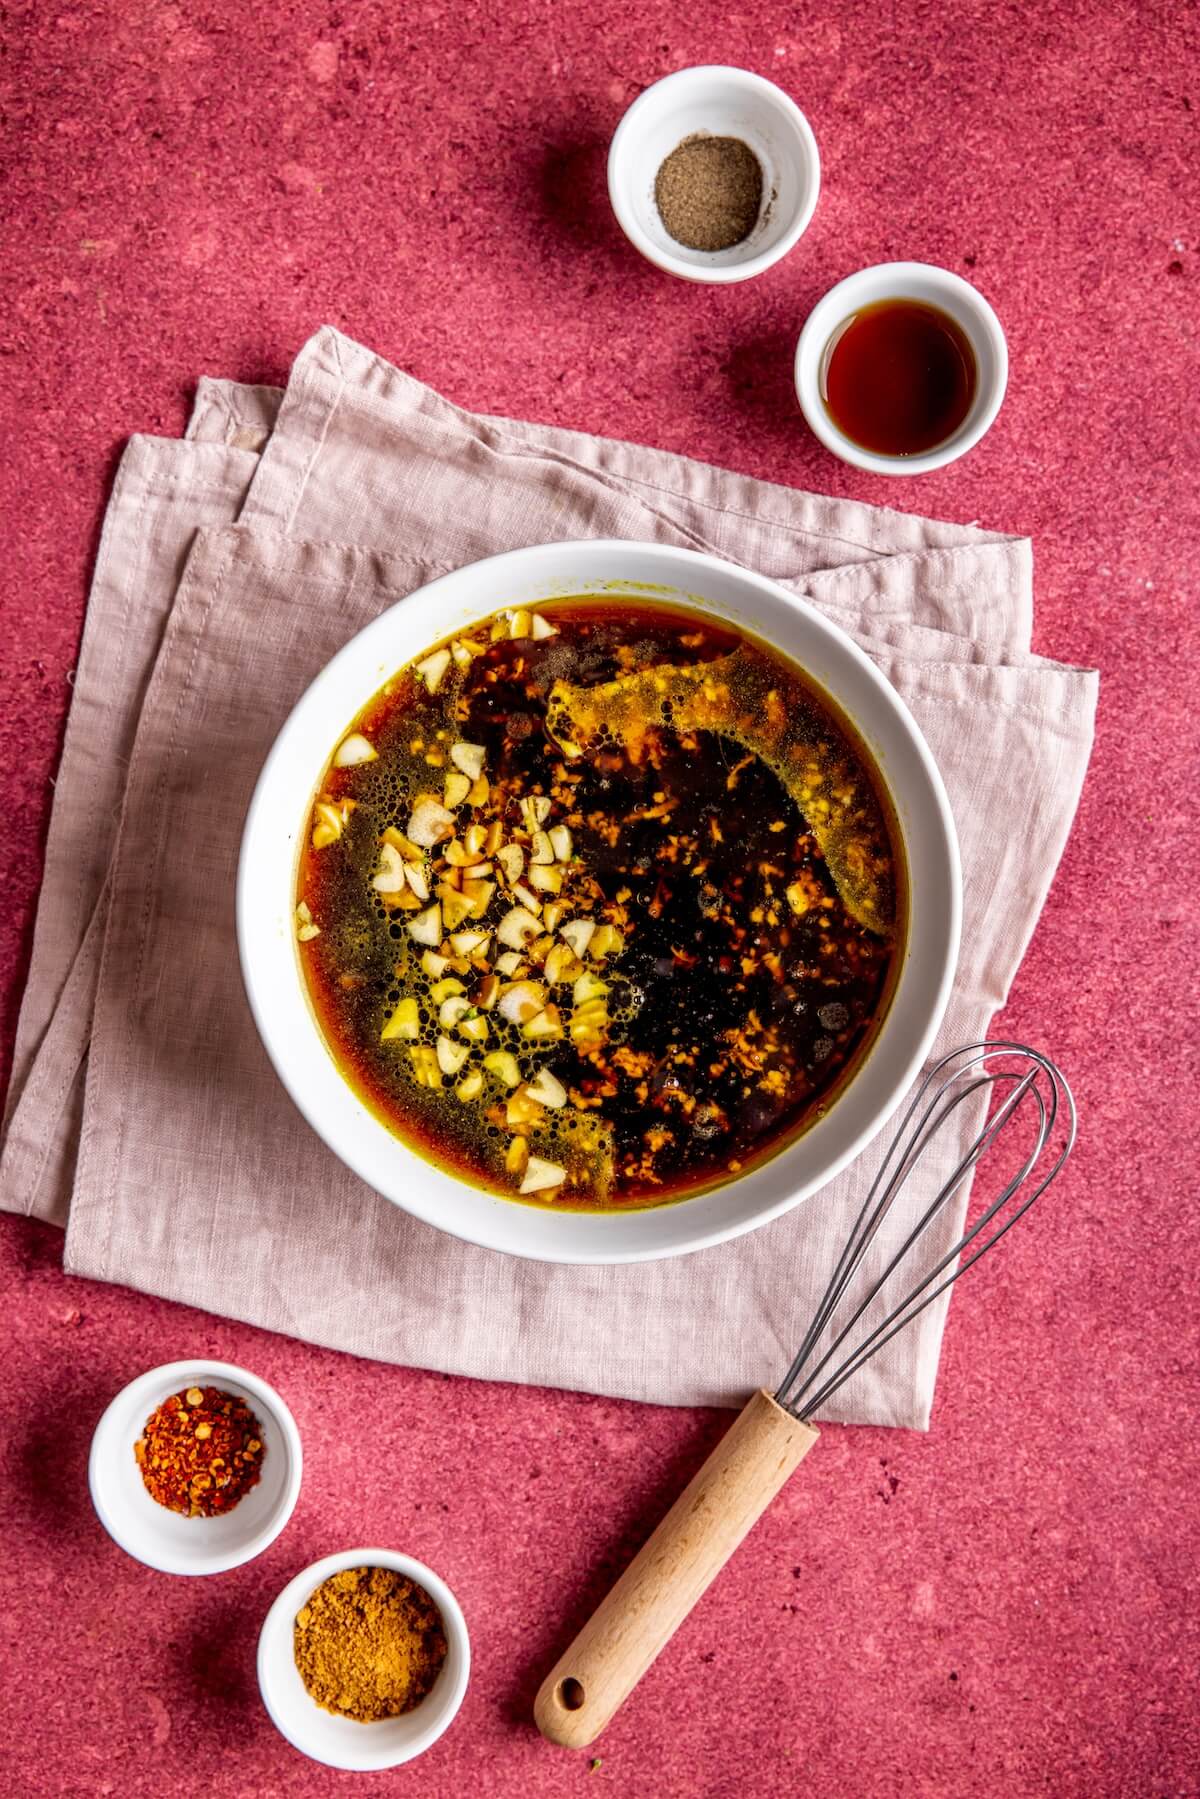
(1023, 1077)
(1010, 1085)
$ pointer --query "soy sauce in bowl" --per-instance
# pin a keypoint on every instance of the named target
(899, 377)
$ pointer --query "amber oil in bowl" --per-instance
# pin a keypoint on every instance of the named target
(899, 377)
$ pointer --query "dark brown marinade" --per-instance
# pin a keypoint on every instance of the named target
(735, 1017)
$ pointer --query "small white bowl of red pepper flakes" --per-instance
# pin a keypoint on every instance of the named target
(195, 1467)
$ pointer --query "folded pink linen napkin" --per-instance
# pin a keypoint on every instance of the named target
(142, 1112)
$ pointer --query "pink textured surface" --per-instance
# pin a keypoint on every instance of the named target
(1007, 1606)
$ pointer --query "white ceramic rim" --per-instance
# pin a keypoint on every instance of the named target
(923, 280)
(279, 810)
(653, 98)
(319, 1734)
(111, 1439)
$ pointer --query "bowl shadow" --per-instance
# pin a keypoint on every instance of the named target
(573, 192)
(216, 1658)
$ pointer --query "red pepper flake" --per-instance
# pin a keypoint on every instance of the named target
(200, 1452)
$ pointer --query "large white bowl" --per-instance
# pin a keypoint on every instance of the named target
(279, 812)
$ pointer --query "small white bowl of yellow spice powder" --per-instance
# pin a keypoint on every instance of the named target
(363, 1659)
(713, 174)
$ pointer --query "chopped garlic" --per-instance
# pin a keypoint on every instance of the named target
(540, 1176)
(426, 927)
(425, 1065)
(541, 627)
(561, 841)
(546, 880)
(390, 876)
(456, 907)
(470, 1087)
(521, 623)
(592, 1012)
(405, 1022)
(606, 941)
(588, 987)
(588, 1033)
(451, 1056)
(522, 1001)
(503, 1064)
(465, 943)
(535, 810)
(433, 668)
(516, 1156)
(547, 1088)
(328, 828)
(560, 963)
(516, 928)
(489, 990)
(417, 879)
(511, 858)
(578, 932)
(408, 850)
(430, 823)
(457, 788)
(352, 751)
(546, 1025)
(541, 849)
(522, 1110)
(469, 758)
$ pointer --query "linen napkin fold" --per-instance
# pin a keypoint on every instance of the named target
(142, 1111)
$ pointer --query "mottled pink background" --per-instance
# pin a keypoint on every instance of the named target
(1007, 1606)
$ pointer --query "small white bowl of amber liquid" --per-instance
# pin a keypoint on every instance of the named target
(173, 1403)
(901, 368)
(351, 1641)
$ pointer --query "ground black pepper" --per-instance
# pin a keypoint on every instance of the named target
(709, 191)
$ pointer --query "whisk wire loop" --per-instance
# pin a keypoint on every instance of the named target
(1026, 1079)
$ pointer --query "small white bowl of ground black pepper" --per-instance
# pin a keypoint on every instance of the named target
(713, 174)
(363, 1660)
(195, 1467)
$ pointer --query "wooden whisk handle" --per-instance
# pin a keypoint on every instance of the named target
(665, 1579)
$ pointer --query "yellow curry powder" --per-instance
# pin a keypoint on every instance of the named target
(369, 1644)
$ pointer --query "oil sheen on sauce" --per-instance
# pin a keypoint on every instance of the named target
(605, 906)
(899, 377)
